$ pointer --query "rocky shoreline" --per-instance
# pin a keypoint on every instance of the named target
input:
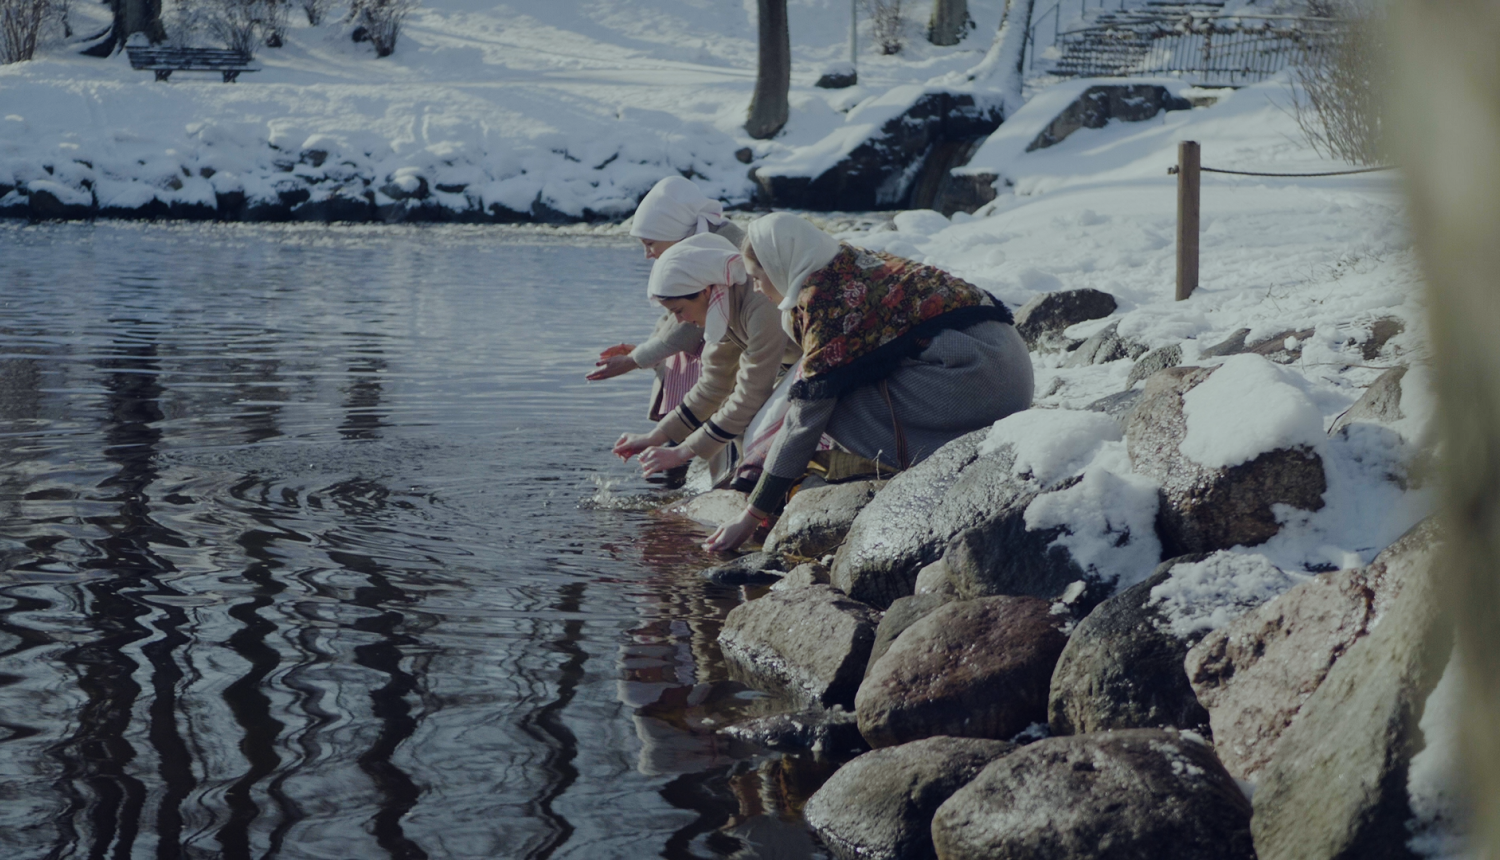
(1001, 696)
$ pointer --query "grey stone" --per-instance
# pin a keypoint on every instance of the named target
(1160, 358)
(1002, 556)
(816, 520)
(1097, 105)
(1203, 509)
(972, 668)
(903, 613)
(1104, 346)
(396, 192)
(812, 642)
(962, 191)
(831, 732)
(934, 579)
(1042, 320)
(713, 508)
(1336, 785)
(1117, 405)
(912, 521)
(1255, 674)
(1121, 669)
(879, 806)
(748, 569)
(1274, 347)
(837, 80)
(803, 575)
(1380, 403)
(1132, 794)
(45, 206)
(1231, 345)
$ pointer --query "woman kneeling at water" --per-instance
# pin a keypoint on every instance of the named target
(899, 358)
(671, 211)
(701, 280)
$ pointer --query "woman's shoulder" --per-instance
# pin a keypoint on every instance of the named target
(729, 230)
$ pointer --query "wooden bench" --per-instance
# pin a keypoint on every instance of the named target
(164, 61)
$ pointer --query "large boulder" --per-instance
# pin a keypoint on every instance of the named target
(908, 140)
(1123, 795)
(812, 642)
(1157, 359)
(816, 520)
(1257, 673)
(1099, 104)
(1336, 785)
(879, 806)
(1202, 508)
(1042, 320)
(974, 668)
(712, 509)
(1122, 668)
(905, 612)
(955, 493)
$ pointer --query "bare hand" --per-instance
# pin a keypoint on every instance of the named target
(735, 532)
(631, 444)
(617, 349)
(611, 366)
(660, 458)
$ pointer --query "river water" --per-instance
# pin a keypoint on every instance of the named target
(311, 546)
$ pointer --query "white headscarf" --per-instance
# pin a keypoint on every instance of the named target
(675, 209)
(698, 263)
(789, 248)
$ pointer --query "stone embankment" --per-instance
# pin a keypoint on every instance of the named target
(1005, 699)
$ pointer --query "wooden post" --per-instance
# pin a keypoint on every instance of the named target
(1188, 163)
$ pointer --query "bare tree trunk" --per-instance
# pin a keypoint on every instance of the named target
(773, 77)
(950, 18)
(1444, 107)
(1001, 66)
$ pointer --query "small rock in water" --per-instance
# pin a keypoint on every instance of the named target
(832, 732)
(748, 569)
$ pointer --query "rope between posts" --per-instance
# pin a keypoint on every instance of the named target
(1173, 171)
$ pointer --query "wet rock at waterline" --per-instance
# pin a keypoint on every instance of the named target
(903, 613)
(816, 520)
(749, 569)
(913, 521)
(1123, 795)
(1205, 509)
(833, 732)
(1104, 346)
(1336, 785)
(812, 642)
(973, 668)
(803, 575)
(1257, 673)
(1042, 320)
(880, 805)
(712, 509)
(1122, 669)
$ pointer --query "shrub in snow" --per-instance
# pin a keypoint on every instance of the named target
(1336, 101)
(24, 24)
(379, 22)
(316, 10)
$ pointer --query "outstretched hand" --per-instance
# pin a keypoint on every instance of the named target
(631, 444)
(610, 366)
(659, 458)
(735, 532)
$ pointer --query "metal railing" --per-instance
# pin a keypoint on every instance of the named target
(1209, 48)
(1046, 26)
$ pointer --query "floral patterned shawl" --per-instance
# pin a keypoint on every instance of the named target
(864, 312)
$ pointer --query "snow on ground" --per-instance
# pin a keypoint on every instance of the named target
(1330, 255)
(580, 107)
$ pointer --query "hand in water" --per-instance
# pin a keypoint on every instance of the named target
(660, 459)
(735, 532)
(631, 444)
(611, 366)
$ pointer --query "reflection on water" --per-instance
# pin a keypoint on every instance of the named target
(311, 546)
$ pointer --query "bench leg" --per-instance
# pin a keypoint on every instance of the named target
(229, 77)
(163, 74)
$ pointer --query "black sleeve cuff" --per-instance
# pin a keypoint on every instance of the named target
(770, 493)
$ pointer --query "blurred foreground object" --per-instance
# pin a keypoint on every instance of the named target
(1444, 108)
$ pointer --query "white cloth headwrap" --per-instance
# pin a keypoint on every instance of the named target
(789, 248)
(675, 209)
(697, 263)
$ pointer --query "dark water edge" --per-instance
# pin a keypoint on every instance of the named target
(311, 546)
